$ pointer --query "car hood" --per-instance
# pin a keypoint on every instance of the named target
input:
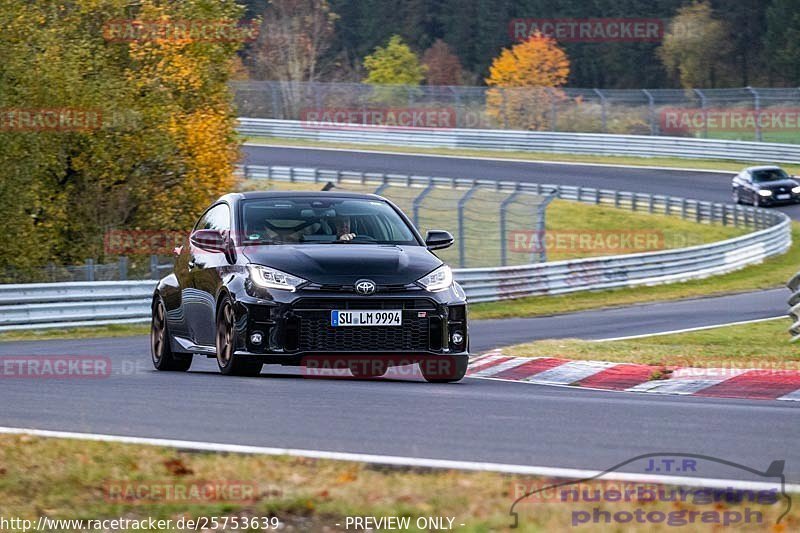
(777, 184)
(346, 263)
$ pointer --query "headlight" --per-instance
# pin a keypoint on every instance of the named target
(438, 280)
(764, 192)
(273, 279)
(796, 190)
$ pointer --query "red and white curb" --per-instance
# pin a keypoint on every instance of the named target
(629, 377)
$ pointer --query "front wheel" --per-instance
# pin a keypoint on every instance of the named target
(229, 363)
(444, 369)
(164, 358)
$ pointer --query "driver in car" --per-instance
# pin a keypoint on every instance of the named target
(342, 225)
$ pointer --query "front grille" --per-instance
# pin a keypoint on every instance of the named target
(315, 304)
(352, 290)
(317, 335)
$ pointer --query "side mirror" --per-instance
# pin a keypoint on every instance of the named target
(438, 239)
(210, 240)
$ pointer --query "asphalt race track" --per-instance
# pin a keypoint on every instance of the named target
(708, 186)
(475, 420)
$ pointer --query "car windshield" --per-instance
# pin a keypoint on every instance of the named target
(769, 174)
(323, 221)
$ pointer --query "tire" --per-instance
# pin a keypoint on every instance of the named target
(444, 369)
(368, 369)
(227, 361)
(164, 359)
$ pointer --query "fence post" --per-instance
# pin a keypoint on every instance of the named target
(651, 111)
(418, 200)
(274, 102)
(503, 207)
(541, 212)
(757, 109)
(89, 270)
(461, 202)
(702, 96)
(505, 107)
(123, 268)
(382, 186)
(604, 111)
(153, 267)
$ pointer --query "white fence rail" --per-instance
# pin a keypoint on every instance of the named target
(529, 141)
(48, 305)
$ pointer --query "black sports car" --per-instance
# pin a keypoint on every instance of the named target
(764, 186)
(319, 279)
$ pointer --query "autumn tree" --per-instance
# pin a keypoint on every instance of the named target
(695, 46)
(394, 64)
(395, 69)
(524, 82)
(442, 64)
(164, 145)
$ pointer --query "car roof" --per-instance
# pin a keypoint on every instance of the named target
(763, 167)
(257, 195)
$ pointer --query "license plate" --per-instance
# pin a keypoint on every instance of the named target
(783, 196)
(366, 318)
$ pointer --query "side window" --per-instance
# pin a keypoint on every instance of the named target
(218, 218)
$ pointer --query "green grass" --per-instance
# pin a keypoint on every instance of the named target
(89, 332)
(757, 345)
(774, 272)
(68, 479)
(674, 162)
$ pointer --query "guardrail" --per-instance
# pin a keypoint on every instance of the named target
(49, 305)
(35, 306)
(527, 141)
(794, 306)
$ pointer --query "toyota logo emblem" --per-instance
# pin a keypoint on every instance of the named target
(365, 286)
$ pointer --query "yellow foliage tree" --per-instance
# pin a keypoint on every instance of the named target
(524, 82)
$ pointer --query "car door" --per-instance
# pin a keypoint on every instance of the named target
(205, 277)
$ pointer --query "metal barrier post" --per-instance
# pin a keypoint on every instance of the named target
(461, 202)
(90, 270)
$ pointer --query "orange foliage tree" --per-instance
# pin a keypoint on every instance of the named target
(524, 82)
